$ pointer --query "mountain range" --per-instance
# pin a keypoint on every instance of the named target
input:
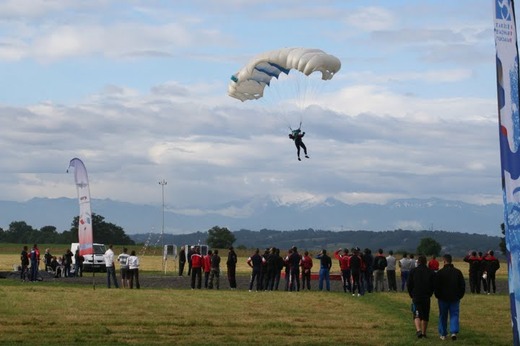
(265, 213)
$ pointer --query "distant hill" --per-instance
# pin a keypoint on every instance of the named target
(455, 243)
(266, 213)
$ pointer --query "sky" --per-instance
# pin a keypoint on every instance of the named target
(137, 89)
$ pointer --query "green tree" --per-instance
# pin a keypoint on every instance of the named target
(20, 232)
(428, 247)
(220, 237)
(104, 232)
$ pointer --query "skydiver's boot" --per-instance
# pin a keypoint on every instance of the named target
(307, 156)
(299, 159)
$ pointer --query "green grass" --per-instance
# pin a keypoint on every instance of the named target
(49, 313)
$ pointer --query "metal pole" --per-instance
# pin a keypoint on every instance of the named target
(162, 183)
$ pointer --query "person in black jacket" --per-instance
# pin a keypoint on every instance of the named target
(420, 288)
(449, 290)
(231, 268)
(296, 136)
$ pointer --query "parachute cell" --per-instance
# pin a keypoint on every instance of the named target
(249, 83)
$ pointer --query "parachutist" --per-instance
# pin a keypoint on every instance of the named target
(296, 136)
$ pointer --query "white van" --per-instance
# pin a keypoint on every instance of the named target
(94, 262)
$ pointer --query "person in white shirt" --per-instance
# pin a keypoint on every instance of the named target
(123, 267)
(133, 270)
(111, 270)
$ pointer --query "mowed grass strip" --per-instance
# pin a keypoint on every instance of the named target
(70, 314)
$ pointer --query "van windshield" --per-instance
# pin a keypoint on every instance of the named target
(99, 249)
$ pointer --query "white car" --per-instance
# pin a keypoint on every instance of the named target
(94, 262)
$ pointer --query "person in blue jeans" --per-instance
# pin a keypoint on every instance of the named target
(111, 269)
(449, 290)
(325, 265)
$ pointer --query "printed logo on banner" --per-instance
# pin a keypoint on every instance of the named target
(503, 9)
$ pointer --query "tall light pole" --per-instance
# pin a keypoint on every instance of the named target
(162, 183)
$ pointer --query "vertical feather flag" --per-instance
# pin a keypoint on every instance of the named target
(509, 134)
(85, 215)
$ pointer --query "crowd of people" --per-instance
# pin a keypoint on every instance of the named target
(361, 272)
(61, 266)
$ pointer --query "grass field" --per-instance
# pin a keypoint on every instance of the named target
(60, 313)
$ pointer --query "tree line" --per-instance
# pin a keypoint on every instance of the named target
(19, 232)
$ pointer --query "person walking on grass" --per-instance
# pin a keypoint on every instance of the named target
(420, 288)
(449, 290)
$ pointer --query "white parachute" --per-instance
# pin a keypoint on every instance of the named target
(249, 83)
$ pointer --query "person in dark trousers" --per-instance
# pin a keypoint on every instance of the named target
(344, 265)
(196, 268)
(325, 265)
(190, 253)
(296, 136)
(492, 264)
(231, 264)
(356, 263)
(294, 271)
(368, 273)
(24, 262)
(256, 261)
(474, 270)
(306, 265)
(279, 265)
(449, 290)
(214, 277)
(420, 288)
(182, 260)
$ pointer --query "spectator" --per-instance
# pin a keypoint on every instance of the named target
(196, 268)
(344, 265)
(380, 265)
(405, 264)
(294, 278)
(356, 265)
(368, 272)
(215, 271)
(47, 259)
(492, 264)
(110, 265)
(420, 288)
(433, 264)
(206, 265)
(182, 260)
(35, 262)
(231, 268)
(391, 262)
(133, 270)
(24, 263)
(67, 262)
(123, 268)
(306, 265)
(78, 264)
(325, 265)
(449, 290)
(255, 262)
(474, 270)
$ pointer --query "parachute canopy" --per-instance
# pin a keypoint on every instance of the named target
(250, 81)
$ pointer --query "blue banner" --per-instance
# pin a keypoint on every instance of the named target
(509, 134)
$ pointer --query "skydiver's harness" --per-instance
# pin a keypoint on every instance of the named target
(296, 134)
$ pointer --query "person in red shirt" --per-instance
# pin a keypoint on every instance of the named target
(433, 264)
(344, 265)
(206, 265)
(196, 268)
(306, 264)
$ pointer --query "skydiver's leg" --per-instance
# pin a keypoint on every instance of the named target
(304, 149)
(297, 149)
